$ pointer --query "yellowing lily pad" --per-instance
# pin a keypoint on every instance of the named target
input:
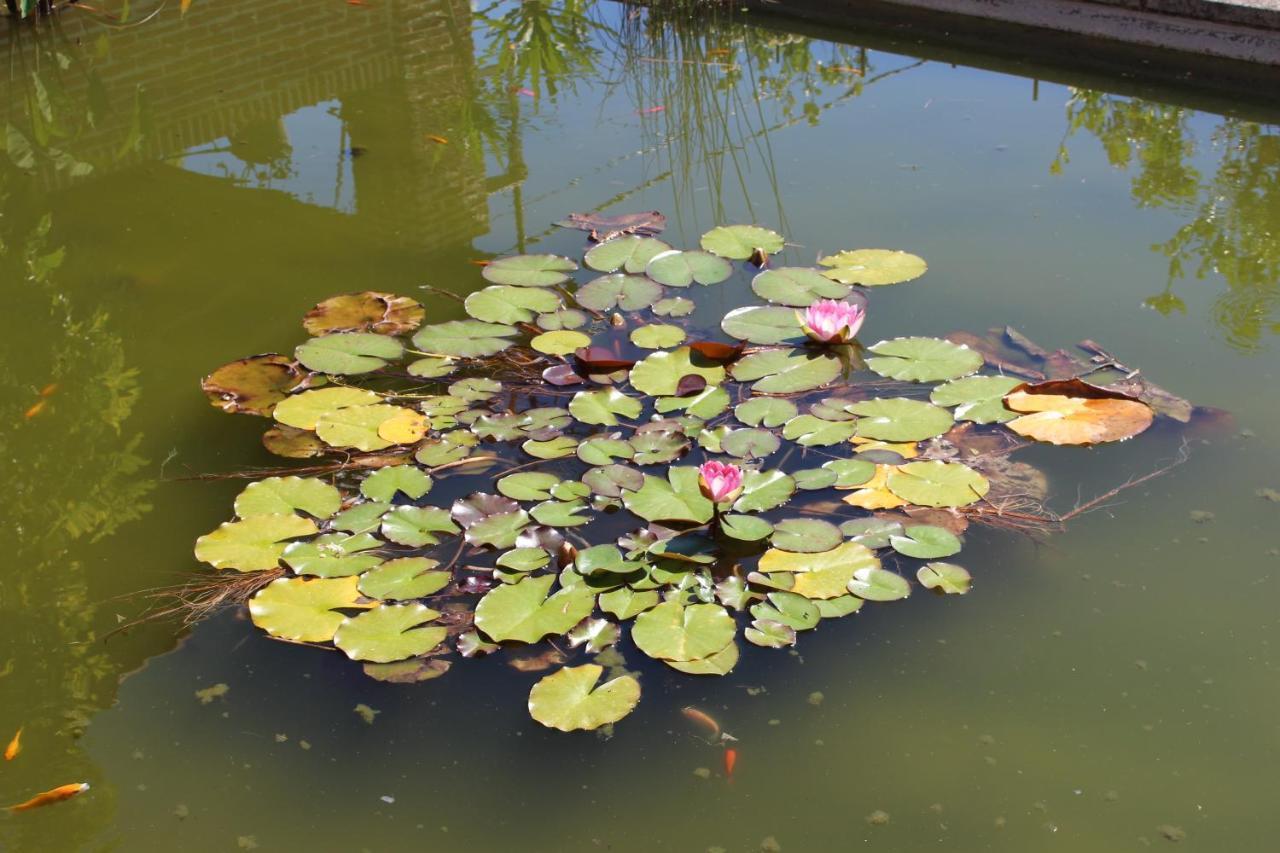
(389, 632)
(569, 699)
(303, 610)
(252, 545)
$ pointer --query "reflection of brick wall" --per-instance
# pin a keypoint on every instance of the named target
(229, 65)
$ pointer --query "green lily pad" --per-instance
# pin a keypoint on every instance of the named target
(464, 338)
(788, 608)
(553, 448)
(750, 443)
(659, 374)
(706, 404)
(417, 526)
(604, 406)
(900, 419)
(770, 634)
(925, 542)
(876, 584)
(823, 575)
(740, 242)
(625, 292)
(681, 269)
(676, 499)
(810, 431)
(566, 700)
(631, 253)
(765, 411)
(938, 484)
(657, 336)
(333, 555)
(748, 528)
(524, 559)
(612, 480)
(812, 479)
(473, 389)
(529, 270)
(499, 530)
(523, 611)
(596, 634)
(834, 608)
(872, 267)
(528, 485)
(627, 603)
(403, 579)
(671, 631)
(720, 663)
(389, 632)
(504, 303)
(872, 532)
(603, 450)
(383, 484)
(798, 287)
(361, 518)
(674, 306)
(560, 343)
(432, 367)
(255, 544)
(850, 472)
(562, 319)
(561, 513)
(764, 324)
(947, 578)
(283, 495)
(763, 490)
(785, 371)
(435, 452)
(977, 398)
(805, 535)
(923, 359)
(303, 610)
(349, 352)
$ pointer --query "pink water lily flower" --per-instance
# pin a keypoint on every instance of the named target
(720, 481)
(832, 320)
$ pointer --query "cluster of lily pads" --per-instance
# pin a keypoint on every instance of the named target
(575, 461)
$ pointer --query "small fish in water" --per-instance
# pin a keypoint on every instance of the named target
(528, 93)
(702, 719)
(357, 151)
(47, 391)
(35, 410)
(57, 795)
(479, 263)
(649, 111)
(15, 746)
(439, 140)
(730, 759)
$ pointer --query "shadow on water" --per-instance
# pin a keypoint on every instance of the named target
(177, 193)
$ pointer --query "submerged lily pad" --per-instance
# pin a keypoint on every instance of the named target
(569, 699)
(367, 311)
(349, 352)
(529, 270)
(871, 267)
(303, 610)
(740, 242)
(923, 359)
(389, 632)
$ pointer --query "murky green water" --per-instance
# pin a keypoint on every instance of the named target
(177, 193)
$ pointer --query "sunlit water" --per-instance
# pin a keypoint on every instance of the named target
(204, 179)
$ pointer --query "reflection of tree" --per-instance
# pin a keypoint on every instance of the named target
(1235, 214)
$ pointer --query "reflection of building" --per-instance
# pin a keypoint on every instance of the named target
(222, 80)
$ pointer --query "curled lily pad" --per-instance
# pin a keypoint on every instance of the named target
(630, 253)
(872, 267)
(900, 419)
(946, 578)
(464, 338)
(563, 342)
(671, 631)
(282, 495)
(1076, 413)
(767, 324)
(252, 545)
(596, 634)
(923, 359)
(785, 371)
(349, 352)
(384, 484)
(569, 699)
(740, 242)
(657, 336)
(659, 374)
(876, 584)
(367, 311)
(797, 286)
(938, 484)
(926, 542)
(604, 406)
(389, 632)
(252, 385)
(303, 610)
(626, 292)
(508, 304)
(977, 398)
(681, 269)
(403, 579)
(529, 270)
(523, 611)
(765, 411)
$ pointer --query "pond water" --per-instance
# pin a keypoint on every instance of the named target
(179, 189)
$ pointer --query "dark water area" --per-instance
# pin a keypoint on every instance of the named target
(178, 190)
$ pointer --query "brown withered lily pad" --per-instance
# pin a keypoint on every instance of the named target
(253, 385)
(367, 311)
(1074, 412)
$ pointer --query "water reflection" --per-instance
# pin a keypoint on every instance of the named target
(1225, 181)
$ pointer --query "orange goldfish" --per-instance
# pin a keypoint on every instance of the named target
(57, 795)
(703, 719)
(15, 746)
(47, 391)
(35, 410)
(439, 140)
(730, 759)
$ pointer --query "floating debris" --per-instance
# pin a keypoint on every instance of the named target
(208, 694)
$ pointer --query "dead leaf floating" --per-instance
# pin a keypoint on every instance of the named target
(1075, 412)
